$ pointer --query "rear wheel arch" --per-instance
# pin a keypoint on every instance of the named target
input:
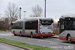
(31, 34)
(68, 35)
(14, 33)
(20, 33)
(69, 38)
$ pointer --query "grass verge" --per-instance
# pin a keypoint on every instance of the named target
(34, 47)
(57, 31)
(5, 31)
(8, 30)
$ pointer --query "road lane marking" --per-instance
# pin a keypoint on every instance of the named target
(52, 43)
(6, 34)
(39, 40)
(22, 49)
(55, 42)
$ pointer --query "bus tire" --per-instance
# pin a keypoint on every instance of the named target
(14, 33)
(31, 35)
(69, 39)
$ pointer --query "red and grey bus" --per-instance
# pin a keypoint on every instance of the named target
(67, 28)
(34, 27)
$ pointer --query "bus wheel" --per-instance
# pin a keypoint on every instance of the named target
(14, 33)
(31, 35)
(69, 38)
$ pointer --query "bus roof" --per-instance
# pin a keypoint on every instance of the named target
(30, 18)
(17, 20)
(66, 16)
(37, 18)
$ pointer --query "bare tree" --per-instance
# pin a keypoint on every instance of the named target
(32, 15)
(11, 11)
(6, 24)
(37, 10)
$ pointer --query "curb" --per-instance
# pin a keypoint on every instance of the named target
(16, 46)
(55, 37)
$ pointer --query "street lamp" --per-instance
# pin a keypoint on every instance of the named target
(45, 9)
(0, 14)
(24, 14)
(20, 12)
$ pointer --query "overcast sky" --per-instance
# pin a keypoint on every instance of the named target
(54, 7)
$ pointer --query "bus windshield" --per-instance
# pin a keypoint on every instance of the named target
(67, 24)
(46, 21)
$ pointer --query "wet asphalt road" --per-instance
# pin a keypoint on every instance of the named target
(49, 42)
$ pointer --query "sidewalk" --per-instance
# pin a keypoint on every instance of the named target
(8, 47)
(12, 46)
(56, 36)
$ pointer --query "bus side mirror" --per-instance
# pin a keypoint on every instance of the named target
(52, 21)
(11, 23)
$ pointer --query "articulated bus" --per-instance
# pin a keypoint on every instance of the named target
(34, 27)
(67, 28)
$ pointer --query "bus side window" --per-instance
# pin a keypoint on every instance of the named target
(74, 25)
(62, 25)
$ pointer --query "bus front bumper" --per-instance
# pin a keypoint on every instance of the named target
(65, 38)
(62, 38)
(44, 34)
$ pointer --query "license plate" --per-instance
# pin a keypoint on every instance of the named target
(46, 21)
